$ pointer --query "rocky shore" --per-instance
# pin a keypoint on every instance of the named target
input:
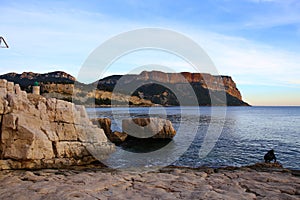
(260, 181)
(48, 148)
(36, 132)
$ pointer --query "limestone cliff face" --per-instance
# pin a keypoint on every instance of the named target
(152, 87)
(206, 80)
(36, 132)
(206, 87)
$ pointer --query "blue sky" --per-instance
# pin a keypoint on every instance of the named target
(254, 41)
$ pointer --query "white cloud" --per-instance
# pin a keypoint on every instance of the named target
(248, 61)
(275, 13)
(42, 40)
(62, 39)
(295, 81)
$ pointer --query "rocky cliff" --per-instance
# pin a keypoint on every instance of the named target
(160, 87)
(36, 132)
(155, 87)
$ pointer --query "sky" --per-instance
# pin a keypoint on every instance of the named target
(256, 42)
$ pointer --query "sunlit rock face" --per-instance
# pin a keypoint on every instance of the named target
(155, 128)
(40, 133)
(167, 88)
(155, 87)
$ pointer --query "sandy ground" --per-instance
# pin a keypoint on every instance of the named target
(166, 183)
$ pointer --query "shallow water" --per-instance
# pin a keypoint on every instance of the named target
(232, 136)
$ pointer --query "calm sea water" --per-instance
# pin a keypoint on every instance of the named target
(215, 137)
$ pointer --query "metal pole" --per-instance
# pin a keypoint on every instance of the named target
(2, 39)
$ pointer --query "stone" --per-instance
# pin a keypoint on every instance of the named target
(104, 123)
(3, 105)
(23, 94)
(3, 83)
(17, 89)
(80, 115)
(90, 134)
(51, 108)
(10, 121)
(64, 111)
(71, 150)
(149, 128)
(66, 132)
(117, 137)
(40, 133)
(10, 87)
(3, 92)
(22, 138)
(50, 131)
(17, 102)
(41, 106)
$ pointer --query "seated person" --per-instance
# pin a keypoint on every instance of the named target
(270, 156)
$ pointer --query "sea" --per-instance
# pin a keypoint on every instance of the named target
(210, 136)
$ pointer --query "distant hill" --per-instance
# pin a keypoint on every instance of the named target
(156, 88)
(159, 87)
(28, 78)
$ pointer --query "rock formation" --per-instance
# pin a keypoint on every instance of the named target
(137, 128)
(155, 128)
(37, 132)
(165, 88)
(104, 123)
(118, 137)
(115, 137)
(156, 87)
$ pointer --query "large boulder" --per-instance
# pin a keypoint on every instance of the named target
(155, 128)
(137, 128)
(40, 133)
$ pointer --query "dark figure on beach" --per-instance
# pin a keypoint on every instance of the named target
(270, 156)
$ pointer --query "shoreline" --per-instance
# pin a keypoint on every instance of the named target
(97, 165)
(259, 167)
(158, 105)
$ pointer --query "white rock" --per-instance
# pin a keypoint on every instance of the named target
(3, 83)
(10, 87)
(38, 132)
